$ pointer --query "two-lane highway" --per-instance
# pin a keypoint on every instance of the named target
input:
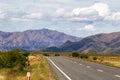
(72, 69)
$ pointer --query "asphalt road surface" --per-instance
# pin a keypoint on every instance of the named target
(72, 69)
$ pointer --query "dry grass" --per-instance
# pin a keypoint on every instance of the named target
(40, 69)
(11, 74)
(110, 60)
(2, 77)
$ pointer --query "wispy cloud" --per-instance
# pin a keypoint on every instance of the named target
(20, 19)
(33, 16)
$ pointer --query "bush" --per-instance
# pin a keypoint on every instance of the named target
(57, 54)
(45, 54)
(83, 56)
(11, 59)
(75, 54)
(26, 54)
(95, 58)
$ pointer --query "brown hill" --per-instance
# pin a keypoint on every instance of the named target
(101, 43)
(33, 39)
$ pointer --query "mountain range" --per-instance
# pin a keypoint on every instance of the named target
(47, 40)
(100, 43)
(33, 39)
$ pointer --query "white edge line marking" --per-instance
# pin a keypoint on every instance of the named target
(60, 69)
(117, 76)
(80, 64)
(100, 70)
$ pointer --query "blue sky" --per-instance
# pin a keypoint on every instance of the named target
(75, 17)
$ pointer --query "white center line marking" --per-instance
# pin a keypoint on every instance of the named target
(60, 69)
(88, 66)
(80, 64)
(117, 76)
(100, 70)
(75, 62)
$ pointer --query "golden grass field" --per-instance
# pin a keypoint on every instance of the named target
(110, 60)
(39, 69)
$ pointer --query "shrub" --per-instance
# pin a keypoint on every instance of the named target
(45, 54)
(57, 54)
(95, 58)
(83, 56)
(26, 54)
(75, 54)
(12, 58)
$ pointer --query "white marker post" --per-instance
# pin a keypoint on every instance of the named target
(28, 76)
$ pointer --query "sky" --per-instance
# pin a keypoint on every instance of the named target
(74, 17)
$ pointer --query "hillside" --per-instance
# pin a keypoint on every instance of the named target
(33, 39)
(100, 43)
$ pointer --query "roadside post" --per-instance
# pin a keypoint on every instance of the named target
(28, 76)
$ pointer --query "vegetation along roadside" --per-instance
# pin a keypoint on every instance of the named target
(15, 64)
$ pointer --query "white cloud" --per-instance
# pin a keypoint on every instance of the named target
(2, 15)
(33, 16)
(113, 16)
(84, 14)
(82, 11)
(94, 12)
(20, 19)
(28, 17)
(60, 12)
(98, 9)
(64, 1)
(102, 8)
(89, 28)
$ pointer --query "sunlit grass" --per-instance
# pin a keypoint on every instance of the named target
(40, 69)
(110, 60)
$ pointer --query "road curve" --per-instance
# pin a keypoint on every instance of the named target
(72, 69)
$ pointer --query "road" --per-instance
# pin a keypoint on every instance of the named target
(73, 69)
